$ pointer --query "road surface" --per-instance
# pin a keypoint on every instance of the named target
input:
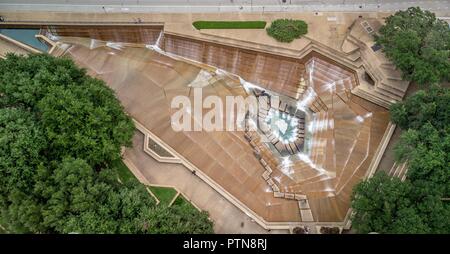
(193, 6)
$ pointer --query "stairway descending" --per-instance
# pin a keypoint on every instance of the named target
(351, 48)
(301, 89)
(399, 170)
(320, 130)
(327, 79)
(318, 105)
(373, 96)
(389, 86)
(335, 208)
(358, 109)
(319, 181)
(303, 173)
(58, 50)
(332, 71)
(345, 131)
(321, 163)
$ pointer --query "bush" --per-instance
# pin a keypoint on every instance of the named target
(418, 44)
(299, 230)
(286, 30)
(328, 230)
(61, 133)
(430, 105)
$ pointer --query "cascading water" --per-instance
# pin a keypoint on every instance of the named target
(229, 63)
(279, 74)
(158, 40)
(156, 47)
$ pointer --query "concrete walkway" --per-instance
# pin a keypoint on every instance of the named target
(227, 217)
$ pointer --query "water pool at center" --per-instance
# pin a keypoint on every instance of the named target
(26, 36)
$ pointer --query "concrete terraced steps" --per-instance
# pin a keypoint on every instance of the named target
(338, 189)
(372, 96)
(389, 86)
(331, 185)
(327, 79)
(320, 155)
(399, 170)
(320, 75)
(320, 128)
(270, 175)
(350, 58)
(345, 132)
(9, 45)
(58, 51)
(333, 72)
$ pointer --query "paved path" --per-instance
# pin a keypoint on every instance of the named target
(227, 217)
(161, 6)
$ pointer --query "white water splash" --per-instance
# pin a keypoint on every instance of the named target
(202, 79)
(158, 40)
(51, 36)
(309, 97)
(114, 45)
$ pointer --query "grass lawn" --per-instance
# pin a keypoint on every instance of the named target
(181, 201)
(229, 24)
(123, 172)
(164, 194)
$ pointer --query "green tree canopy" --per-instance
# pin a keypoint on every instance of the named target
(426, 151)
(21, 143)
(425, 142)
(418, 44)
(178, 219)
(425, 146)
(59, 132)
(87, 116)
(429, 105)
(381, 204)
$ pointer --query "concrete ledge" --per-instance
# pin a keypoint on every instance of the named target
(147, 135)
(380, 150)
(156, 156)
(20, 44)
(47, 40)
